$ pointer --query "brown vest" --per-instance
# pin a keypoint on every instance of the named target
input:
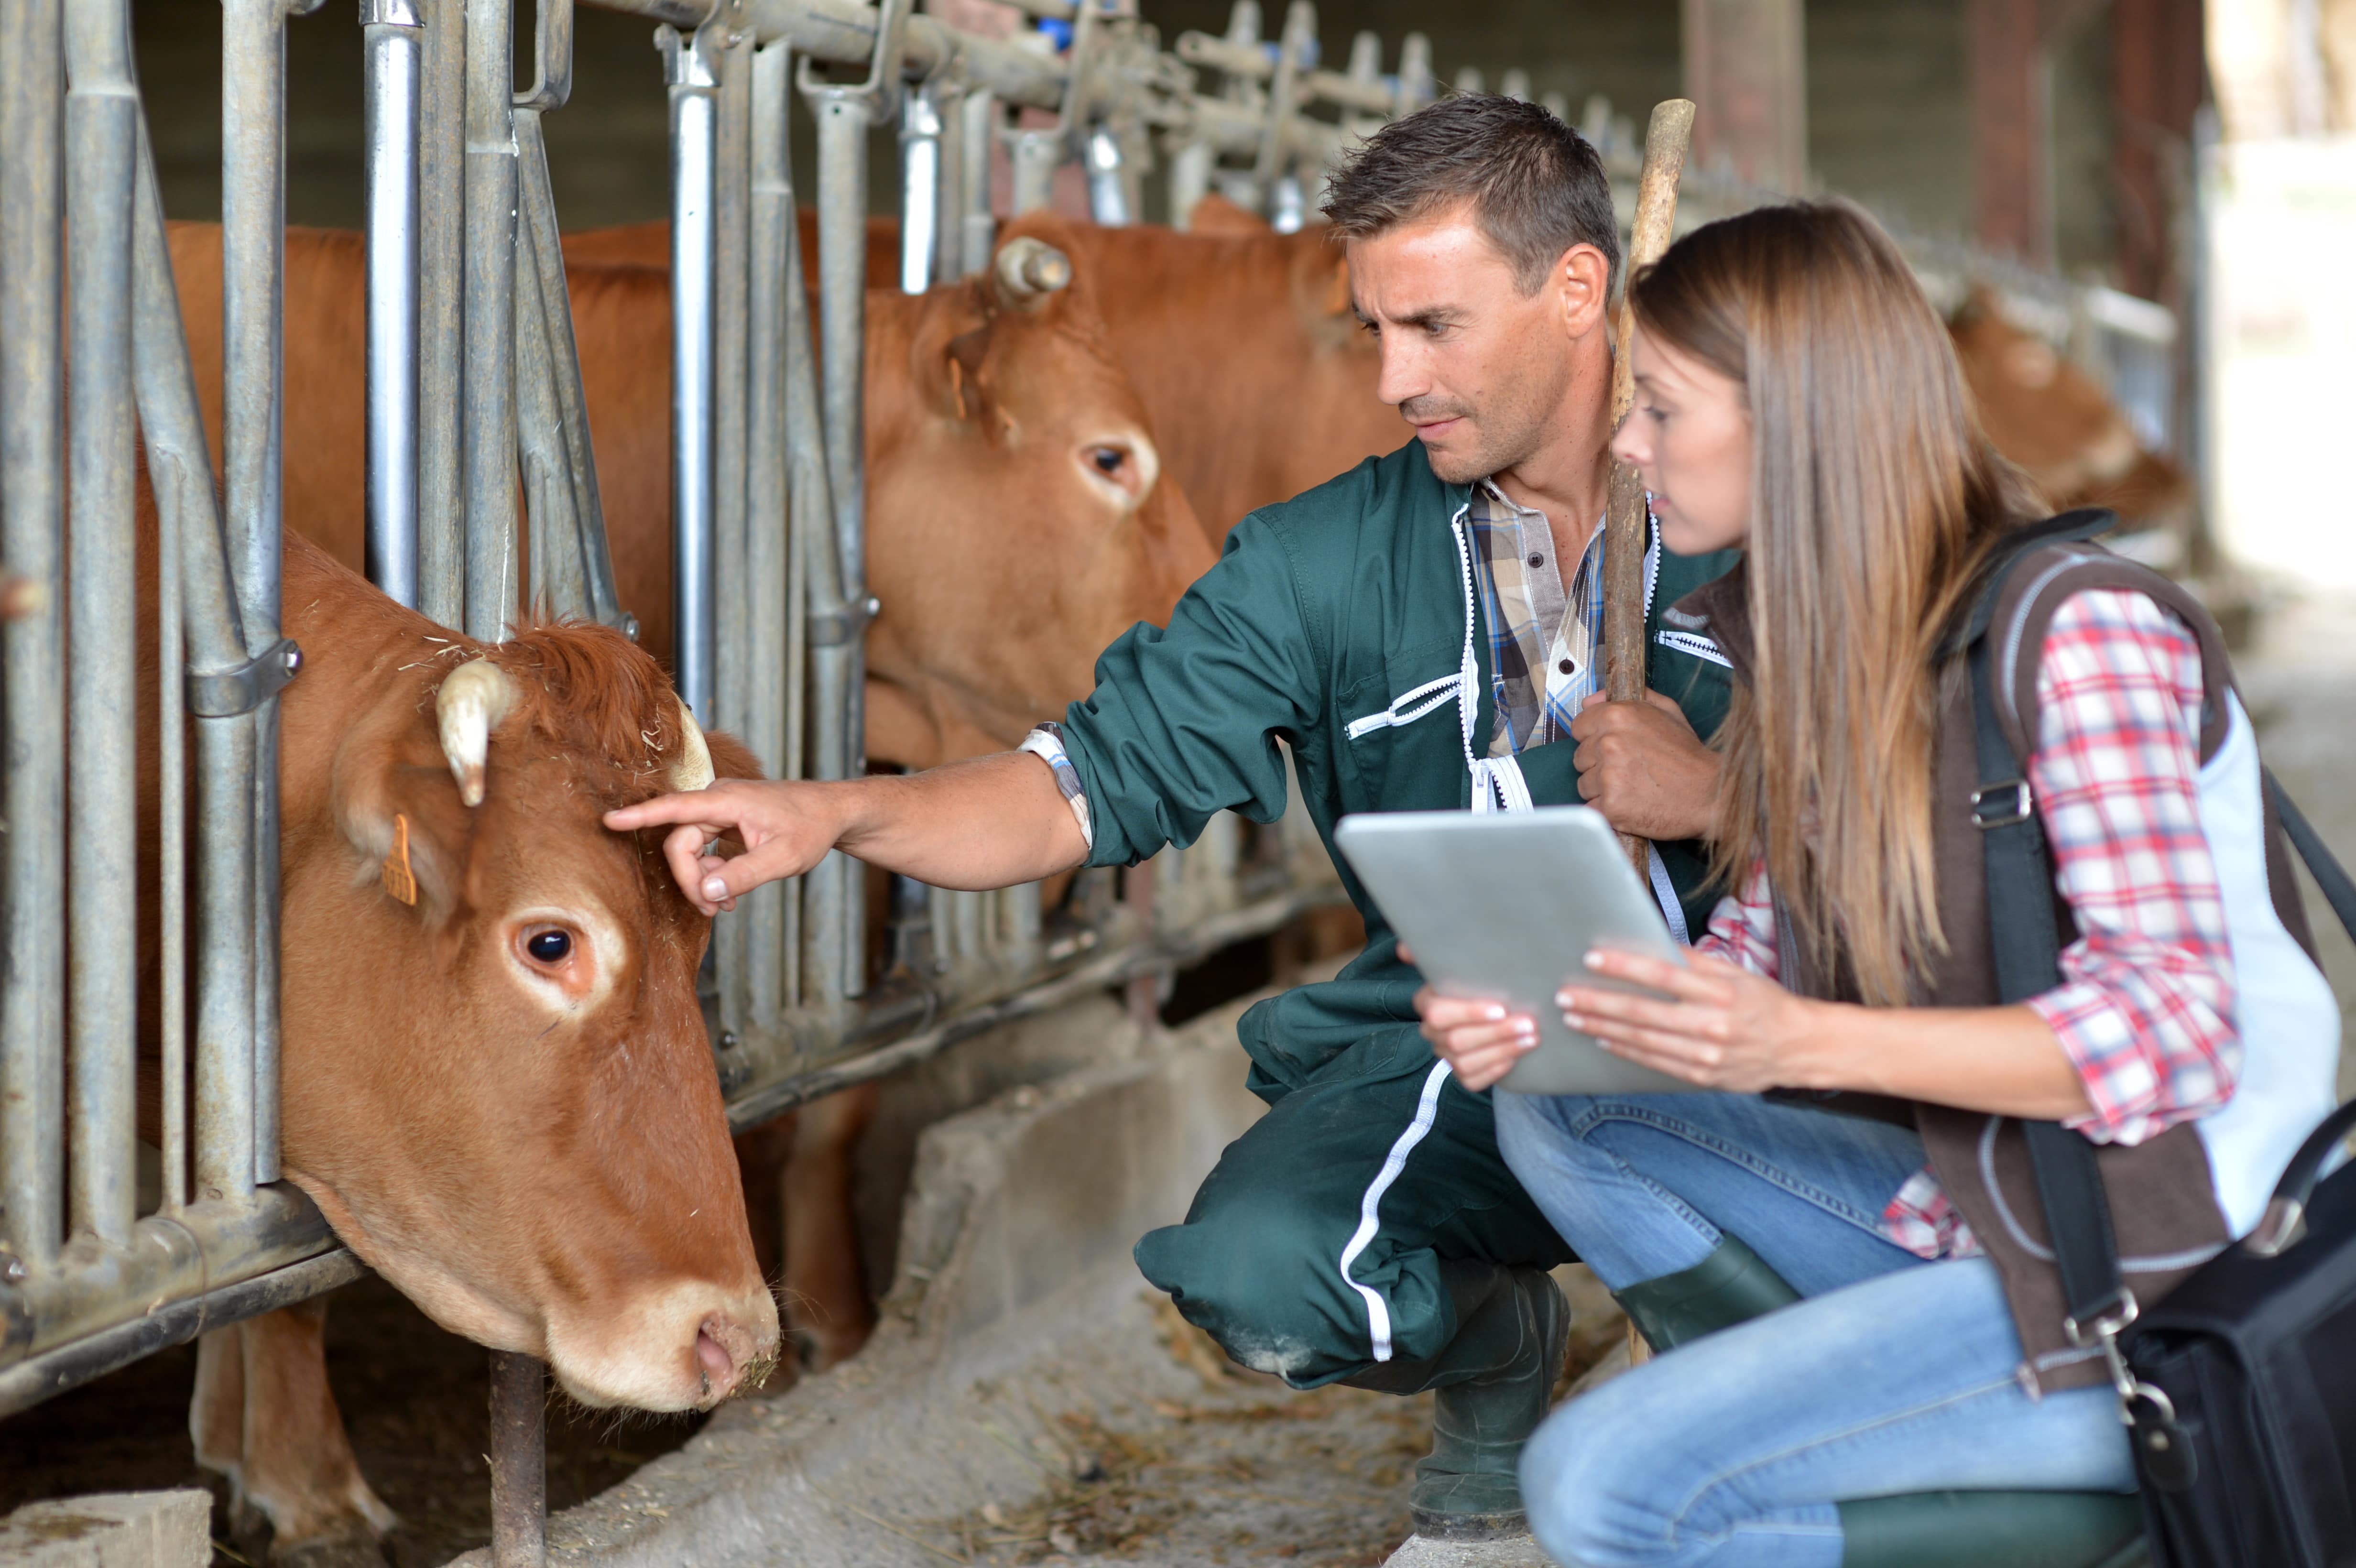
(2163, 1204)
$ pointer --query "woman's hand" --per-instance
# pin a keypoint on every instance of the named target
(1724, 1028)
(1481, 1041)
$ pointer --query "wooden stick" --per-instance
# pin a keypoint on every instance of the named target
(1625, 536)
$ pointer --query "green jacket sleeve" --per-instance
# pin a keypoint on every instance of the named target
(1183, 722)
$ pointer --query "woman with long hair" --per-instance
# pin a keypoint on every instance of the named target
(1842, 1254)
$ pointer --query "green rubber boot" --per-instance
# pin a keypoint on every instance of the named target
(1731, 1286)
(1490, 1391)
(1993, 1529)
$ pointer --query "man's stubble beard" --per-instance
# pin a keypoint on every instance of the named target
(1513, 425)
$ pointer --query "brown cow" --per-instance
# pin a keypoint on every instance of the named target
(1249, 366)
(495, 1083)
(2049, 417)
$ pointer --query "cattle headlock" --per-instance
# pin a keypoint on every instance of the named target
(482, 503)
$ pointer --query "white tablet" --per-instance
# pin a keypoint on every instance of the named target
(1504, 906)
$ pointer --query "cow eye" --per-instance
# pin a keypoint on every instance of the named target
(549, 947)
(1107, 459)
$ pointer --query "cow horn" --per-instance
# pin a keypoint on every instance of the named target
(692, 769)
(473, 700)
(1028, 270)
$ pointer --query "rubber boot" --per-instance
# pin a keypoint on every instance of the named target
(1993, 1529)
(1490, 1389)
(1731, 1286)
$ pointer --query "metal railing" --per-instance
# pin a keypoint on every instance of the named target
(476, 419)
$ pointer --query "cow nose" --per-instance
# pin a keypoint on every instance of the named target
(725, 1350)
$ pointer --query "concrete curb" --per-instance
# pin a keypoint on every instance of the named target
(112, 1529)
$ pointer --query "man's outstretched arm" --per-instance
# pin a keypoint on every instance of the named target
(991, 822)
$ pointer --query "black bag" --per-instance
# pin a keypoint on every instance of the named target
(2240, 1387)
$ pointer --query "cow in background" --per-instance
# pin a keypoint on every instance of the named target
(494, 1080)
(2048, 416)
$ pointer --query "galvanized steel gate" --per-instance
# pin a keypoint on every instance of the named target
(475, 403)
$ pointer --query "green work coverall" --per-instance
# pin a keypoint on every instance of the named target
(1313, 1249)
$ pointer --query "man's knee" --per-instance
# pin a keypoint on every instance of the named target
(1259, 1288)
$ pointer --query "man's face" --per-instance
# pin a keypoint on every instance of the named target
(1480, 369)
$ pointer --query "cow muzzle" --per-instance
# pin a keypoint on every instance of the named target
(1028, 270)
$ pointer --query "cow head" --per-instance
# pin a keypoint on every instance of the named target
(2048, 416)
(498, 1083)
(1019, 518)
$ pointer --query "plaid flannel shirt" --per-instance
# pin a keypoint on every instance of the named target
(1543, 657)
(2145, 1011)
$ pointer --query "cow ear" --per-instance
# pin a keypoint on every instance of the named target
(408, 830)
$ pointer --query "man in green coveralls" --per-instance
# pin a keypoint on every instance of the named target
(1421, 633)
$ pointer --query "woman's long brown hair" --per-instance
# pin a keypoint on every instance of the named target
(1874, 496)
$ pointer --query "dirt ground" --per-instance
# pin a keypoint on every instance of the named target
(415, 1399)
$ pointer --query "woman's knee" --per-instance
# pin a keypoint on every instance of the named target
(1589, 1477)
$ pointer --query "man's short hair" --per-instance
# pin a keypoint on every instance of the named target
(1535, 186)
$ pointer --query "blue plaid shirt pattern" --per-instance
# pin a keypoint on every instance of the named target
(1545, 647)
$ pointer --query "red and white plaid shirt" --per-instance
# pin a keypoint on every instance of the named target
(2146, 1005)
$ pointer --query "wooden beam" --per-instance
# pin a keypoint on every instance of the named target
(1747, 71)
(2157, 83)
(2011, 134)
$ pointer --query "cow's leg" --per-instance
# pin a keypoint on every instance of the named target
(826, 1283)
(217, 1423)
(297, 1465)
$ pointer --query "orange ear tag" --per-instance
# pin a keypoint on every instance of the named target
(399, 879)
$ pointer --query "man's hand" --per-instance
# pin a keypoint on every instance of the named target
(787, 828)
(1641, 765)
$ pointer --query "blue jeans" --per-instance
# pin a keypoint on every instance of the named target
(1895, 1375)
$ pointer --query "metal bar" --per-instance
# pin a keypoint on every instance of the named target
(844, 116)
(920, 189)
(762, 1100)
(393, 68)
(180, 465)
(441, 316)
(729, 605)
(771, 220)
(1036, 155)
(489, 449)
(1107, 185)
(253, 228)
(92, 1356)
(546, 290)
(32, 651)
(518, 1460)
(693, 115)
(102, 892)
(977, 224)
(558, 582)
(949, 210)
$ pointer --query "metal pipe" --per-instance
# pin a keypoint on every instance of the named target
(920, 189)
(693, 113)
(393, 69)
(1190, 181)
(181, 466)
(253, 226)
(558, 582)
(949, 210)
(977, 223)
(1107, 185)
(32, 651)
(488, 440)
(102, 123)
(542, 287)
(729, 605)
(771, 220)
(1036, 155)
(441, 316)
(518, 1460)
